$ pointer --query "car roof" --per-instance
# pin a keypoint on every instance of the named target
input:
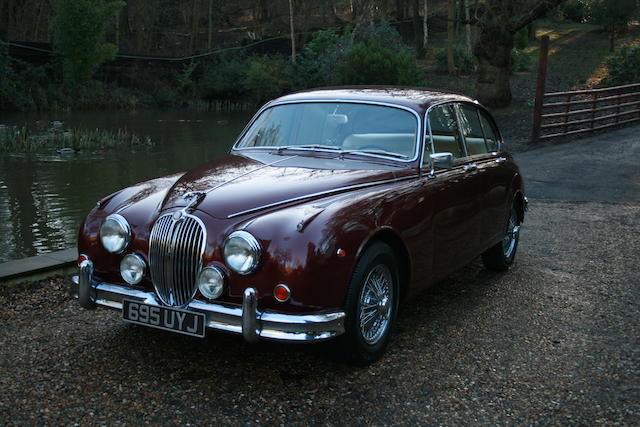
(416, 98)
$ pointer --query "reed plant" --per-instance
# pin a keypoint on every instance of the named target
(18, 139)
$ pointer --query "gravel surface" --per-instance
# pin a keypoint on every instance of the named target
(552, 341)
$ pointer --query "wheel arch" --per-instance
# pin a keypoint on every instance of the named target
(397, 245)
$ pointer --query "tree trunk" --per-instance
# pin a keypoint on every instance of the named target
(210, 29)
(493, 53)
(425, 28)
(416, 27)
(293, 34)
(451, 12)
(467, 27)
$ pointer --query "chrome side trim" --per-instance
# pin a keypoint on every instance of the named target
(322, 193)
(268, 325)
(85, 289)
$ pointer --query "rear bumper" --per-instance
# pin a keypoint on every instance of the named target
(246, 319)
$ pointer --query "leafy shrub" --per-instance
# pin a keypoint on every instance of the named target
(465, 63)
(371, 62)
(315, 66)
(520, 60)
(222, 77)
(624, 67)
(79, 31)
(575, 10)
(521, 39)
(266, 78)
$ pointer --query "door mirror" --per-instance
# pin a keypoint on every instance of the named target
(441, 160)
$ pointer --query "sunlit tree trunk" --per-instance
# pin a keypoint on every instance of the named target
(451, 13)
(467, 27)
(293, 34)
(425, 28)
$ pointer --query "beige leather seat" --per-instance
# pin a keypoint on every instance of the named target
(401, 143)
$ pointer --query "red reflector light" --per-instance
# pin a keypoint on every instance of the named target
(281, 293)
(82, 258)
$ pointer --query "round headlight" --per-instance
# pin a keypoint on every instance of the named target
(211, 282)
(115, 233)
(242, 252)
(132, 268)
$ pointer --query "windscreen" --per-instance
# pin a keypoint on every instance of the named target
(343, 126)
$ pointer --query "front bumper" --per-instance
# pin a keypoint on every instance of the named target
(246, 319)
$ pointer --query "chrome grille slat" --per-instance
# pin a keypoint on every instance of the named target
(176, 247)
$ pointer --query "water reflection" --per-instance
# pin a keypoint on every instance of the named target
(44, 196)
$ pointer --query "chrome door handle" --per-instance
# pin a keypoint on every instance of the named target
(501, 159)
(470, 167)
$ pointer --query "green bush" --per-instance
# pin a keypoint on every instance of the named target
(520, 60)
(372, 63)
(315, 65)
(624, 67)
(465, 63)
(266, 78)
(576, 10)
(79, 32)
(521, 39)
(23, 87)
(222, 77)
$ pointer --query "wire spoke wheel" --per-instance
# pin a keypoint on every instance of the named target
(511, 238)
(375, 304)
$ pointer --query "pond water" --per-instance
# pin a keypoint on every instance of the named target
(44, 196)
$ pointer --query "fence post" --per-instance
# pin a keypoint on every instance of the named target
(542, 77)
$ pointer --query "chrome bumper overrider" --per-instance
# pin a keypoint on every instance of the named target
(246, 320)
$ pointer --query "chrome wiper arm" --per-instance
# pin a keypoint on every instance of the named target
(308, 146)
(374, 152)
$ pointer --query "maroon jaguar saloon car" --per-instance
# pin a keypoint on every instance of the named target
(332, 207)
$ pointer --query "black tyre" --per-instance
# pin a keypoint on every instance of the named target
(500, 256)
(371, 306)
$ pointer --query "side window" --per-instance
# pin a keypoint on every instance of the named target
(489, 132)
(472, 130)
(444, 130)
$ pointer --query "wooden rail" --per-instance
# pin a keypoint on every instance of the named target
(586, 110)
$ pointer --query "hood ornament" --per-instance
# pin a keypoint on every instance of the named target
(192, 198)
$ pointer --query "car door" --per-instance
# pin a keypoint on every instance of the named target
(454, 195)
(482, 145)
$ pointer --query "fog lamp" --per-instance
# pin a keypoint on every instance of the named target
(132, 268)
(211, 282)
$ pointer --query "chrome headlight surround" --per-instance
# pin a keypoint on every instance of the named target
(242, 252)
(132, 268)
(211, 282)
(115, 233)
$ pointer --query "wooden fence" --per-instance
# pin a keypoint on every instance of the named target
(567, 113)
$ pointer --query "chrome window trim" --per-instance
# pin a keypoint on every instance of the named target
(337, 100)
(427, 127)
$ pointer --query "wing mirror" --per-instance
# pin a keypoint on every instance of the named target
(441, 160)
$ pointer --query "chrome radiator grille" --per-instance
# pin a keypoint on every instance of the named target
(176, 247)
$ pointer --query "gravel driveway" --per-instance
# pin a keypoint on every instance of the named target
(553, 341)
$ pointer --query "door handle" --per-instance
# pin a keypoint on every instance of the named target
(470, 167)
(501, 159)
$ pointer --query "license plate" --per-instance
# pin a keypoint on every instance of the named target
(169, 319)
